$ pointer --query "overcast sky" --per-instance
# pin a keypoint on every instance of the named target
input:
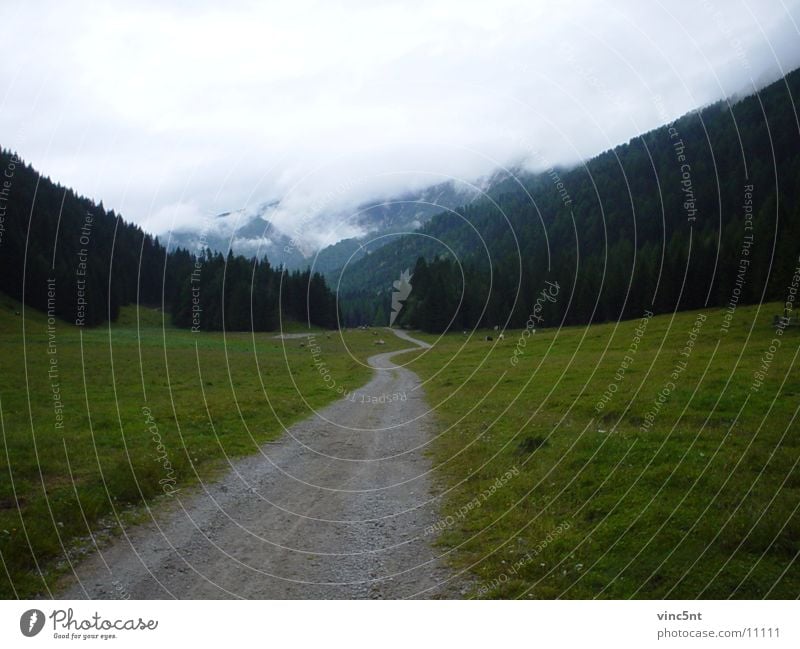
(169, 115)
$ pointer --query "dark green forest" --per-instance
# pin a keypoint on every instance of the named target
(701, 212)
(66, 255)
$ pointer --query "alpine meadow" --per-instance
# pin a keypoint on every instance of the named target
(440, 301)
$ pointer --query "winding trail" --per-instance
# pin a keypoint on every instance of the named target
(337, 508)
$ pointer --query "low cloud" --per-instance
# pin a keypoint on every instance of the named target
(172, 115)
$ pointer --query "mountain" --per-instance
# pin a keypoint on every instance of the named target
(385, 221)
(244, 231)
(67, 255)
(64, 254)
(701, 212)
(252, 233)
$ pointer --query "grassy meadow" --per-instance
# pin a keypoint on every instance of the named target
(578, 473)
(651, 458)
(130, 413)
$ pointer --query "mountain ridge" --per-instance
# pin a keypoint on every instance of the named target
(638, 216)
(378, 219)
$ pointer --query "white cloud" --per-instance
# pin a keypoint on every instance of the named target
(170, 114)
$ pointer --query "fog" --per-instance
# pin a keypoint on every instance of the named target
(173, 115)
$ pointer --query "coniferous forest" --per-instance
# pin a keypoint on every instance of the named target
(66, 255)
(701, 212)
(430, 300)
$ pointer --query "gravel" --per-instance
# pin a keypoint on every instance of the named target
(337, 508)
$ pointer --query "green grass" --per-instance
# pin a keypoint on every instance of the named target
(703, 503)
(210, 397)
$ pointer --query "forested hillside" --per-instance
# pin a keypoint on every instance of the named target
(703, 211)
(64, 254)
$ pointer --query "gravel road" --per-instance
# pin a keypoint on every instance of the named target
(337, 508)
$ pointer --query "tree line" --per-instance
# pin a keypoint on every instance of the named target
(701, 212)
(67, 255)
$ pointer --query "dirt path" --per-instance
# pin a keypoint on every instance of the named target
(336, 509)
